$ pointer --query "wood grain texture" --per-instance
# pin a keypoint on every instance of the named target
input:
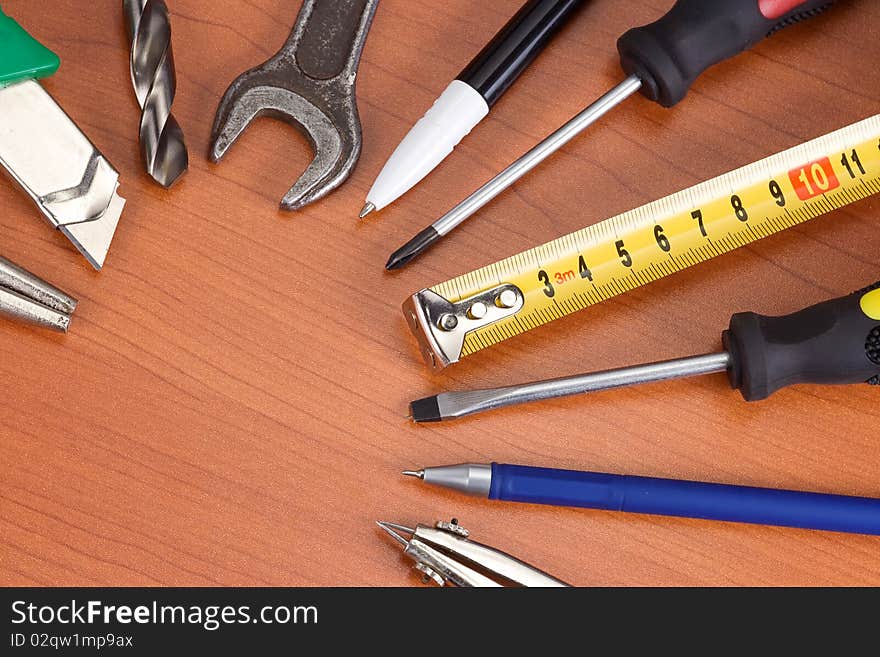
(229, 405)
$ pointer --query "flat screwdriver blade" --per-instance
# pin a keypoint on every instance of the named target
(449, 405)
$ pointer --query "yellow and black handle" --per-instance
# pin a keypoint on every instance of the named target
(835, 342)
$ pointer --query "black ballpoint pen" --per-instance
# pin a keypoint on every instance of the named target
(467, 99)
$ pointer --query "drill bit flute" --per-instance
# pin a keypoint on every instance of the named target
(155, 84)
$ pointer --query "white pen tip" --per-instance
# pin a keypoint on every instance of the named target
(367, 209)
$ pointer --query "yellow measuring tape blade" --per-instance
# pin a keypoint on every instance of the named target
(477, 310)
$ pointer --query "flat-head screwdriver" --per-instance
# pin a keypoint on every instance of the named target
(662, 60)
(834, 342)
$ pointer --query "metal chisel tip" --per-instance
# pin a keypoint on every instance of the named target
(414, 473)
(425, 410)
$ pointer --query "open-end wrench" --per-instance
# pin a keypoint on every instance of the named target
(310, 84)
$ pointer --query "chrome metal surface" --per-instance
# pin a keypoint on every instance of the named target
(536, 155)
(479, 309)
(446, 554)
(72, 183)
(453, 527)
(155, 84)
(447, 322)
(459, 404)
(506, 299)
(470, 478)
(440, 341)
(27, 298)
(309, 83)
(430, 574)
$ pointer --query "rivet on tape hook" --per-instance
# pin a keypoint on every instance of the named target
(440, 325)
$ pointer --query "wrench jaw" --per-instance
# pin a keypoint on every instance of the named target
(336, 150)
(232, 116)
(336, 153)
(310, 84)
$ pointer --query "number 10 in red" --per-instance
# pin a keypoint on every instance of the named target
(814, 179)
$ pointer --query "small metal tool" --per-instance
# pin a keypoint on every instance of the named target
(43, 150)
(836, 342)
(155, 84)
(27, 298)
(445, 554)
(310, 83)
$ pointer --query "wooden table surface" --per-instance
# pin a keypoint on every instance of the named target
(229, 405)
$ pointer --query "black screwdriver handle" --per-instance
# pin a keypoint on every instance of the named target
(671, 53)
(835, 342)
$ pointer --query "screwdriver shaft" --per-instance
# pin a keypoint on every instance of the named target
(459, 404)
(469, 206)
(538, 154)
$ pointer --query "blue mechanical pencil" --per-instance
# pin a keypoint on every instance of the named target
(666, 497)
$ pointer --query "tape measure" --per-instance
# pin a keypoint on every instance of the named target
(477, 310)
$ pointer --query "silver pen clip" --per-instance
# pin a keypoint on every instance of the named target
(444, 553)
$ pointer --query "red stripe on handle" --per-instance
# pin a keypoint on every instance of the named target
(775, 8)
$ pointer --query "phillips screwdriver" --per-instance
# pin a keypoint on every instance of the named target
(662, 60)
(834, 342)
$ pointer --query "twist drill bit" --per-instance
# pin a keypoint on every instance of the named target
(152, 74)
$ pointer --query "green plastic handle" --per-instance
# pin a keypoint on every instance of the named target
(21, 56)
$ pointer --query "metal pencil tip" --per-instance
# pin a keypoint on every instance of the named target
(367, 209)
(414, 473)
(392, 529)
